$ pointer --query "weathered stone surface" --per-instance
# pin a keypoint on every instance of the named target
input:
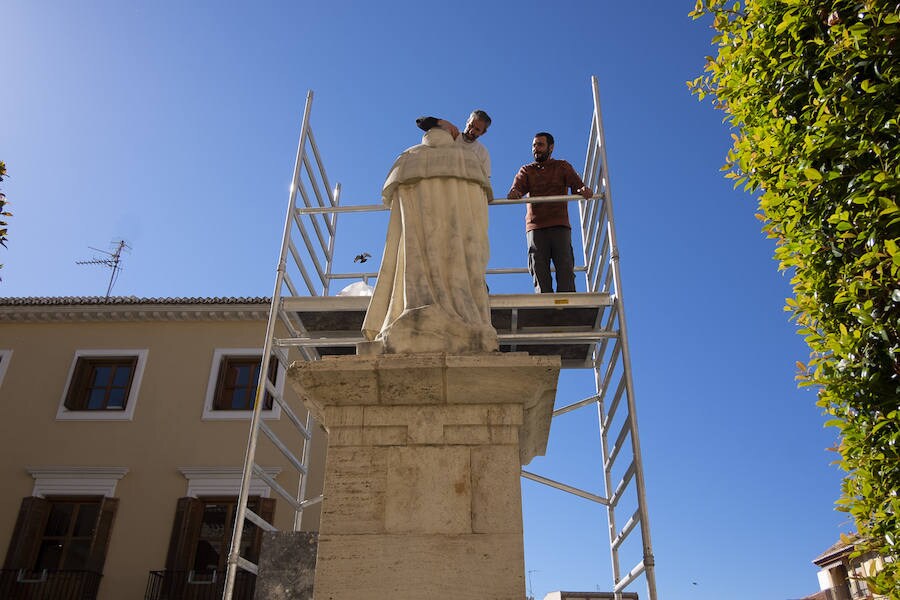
(435, 380)
(287, 566)
(422, 493)
(355, 485)
(535, 431)
(421, 567)
(428, 490)
(345, 436)
(385, 436)
(522, 379)
(344, 416)
(466, 434)
(357, 385)
(496, 492)
(412, 379)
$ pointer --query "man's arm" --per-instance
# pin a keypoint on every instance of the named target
(575, 184)
(519, 187)
(426, 123)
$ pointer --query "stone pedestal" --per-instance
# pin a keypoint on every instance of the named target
(422, 492)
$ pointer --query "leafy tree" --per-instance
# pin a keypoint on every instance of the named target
(3, 212)
(811, 90)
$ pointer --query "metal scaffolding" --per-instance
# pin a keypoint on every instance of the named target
(587, 330)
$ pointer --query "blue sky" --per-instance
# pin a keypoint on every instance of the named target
(173, 125)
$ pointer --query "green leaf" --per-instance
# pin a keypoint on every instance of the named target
(812, 174)
(818, 87)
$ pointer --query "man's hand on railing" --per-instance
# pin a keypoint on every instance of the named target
(514, 198)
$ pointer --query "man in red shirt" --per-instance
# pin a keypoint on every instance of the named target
(547, 227)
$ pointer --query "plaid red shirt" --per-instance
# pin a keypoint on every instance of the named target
(549, 178)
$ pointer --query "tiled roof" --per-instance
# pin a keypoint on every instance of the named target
(120, 300)
(131, 308)
(837, 549)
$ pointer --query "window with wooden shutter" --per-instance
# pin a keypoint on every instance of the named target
(62, 534)
(233, 379)
(102, 534)
(202, 530)
(101, 383)
(236, 385)
(26, 536)
(188, 512)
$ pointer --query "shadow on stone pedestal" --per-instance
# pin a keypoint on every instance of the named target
(287, 566)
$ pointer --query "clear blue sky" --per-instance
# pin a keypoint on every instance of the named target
(173, 125)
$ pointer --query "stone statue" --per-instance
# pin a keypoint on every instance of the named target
(431, 294)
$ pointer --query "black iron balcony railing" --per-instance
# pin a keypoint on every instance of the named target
(196, 585)
(22, 584)
(845, 592)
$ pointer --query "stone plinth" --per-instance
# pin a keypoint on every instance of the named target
(287, 566)
(422, 492)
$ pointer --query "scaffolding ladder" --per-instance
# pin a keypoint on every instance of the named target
(587, 330)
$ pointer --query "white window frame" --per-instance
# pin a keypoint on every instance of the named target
(210, 414)
(5, 358)
(76, 481)
(224, 481)
(66, 414)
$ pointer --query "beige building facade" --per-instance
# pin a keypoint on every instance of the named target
(842, 576)
(125, 425)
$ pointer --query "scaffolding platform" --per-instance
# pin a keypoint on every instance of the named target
(567, 325)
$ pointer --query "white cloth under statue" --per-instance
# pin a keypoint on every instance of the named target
(431, 294)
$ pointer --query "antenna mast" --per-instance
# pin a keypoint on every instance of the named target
(112, 262)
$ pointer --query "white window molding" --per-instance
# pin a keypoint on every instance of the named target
(224, 481)
(210, 414)
(5, 357)
(76, 481)
(65, 414)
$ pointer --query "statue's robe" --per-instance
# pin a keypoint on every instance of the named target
(431, 294)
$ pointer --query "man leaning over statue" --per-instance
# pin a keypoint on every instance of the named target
(476, 126)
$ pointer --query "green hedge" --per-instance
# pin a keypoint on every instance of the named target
(811, 89)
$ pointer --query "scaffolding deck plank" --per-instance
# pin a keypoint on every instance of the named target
(339, 320)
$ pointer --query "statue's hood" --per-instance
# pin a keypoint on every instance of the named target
(437, 156)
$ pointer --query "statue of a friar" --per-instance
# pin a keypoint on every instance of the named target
(431, 294)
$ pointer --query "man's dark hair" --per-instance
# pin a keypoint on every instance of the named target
(546, 135)
(481, 116)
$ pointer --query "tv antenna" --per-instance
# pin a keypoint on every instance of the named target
(531, 587)
(112, 262)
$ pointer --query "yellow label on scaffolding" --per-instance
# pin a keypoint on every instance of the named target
(561, 301)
